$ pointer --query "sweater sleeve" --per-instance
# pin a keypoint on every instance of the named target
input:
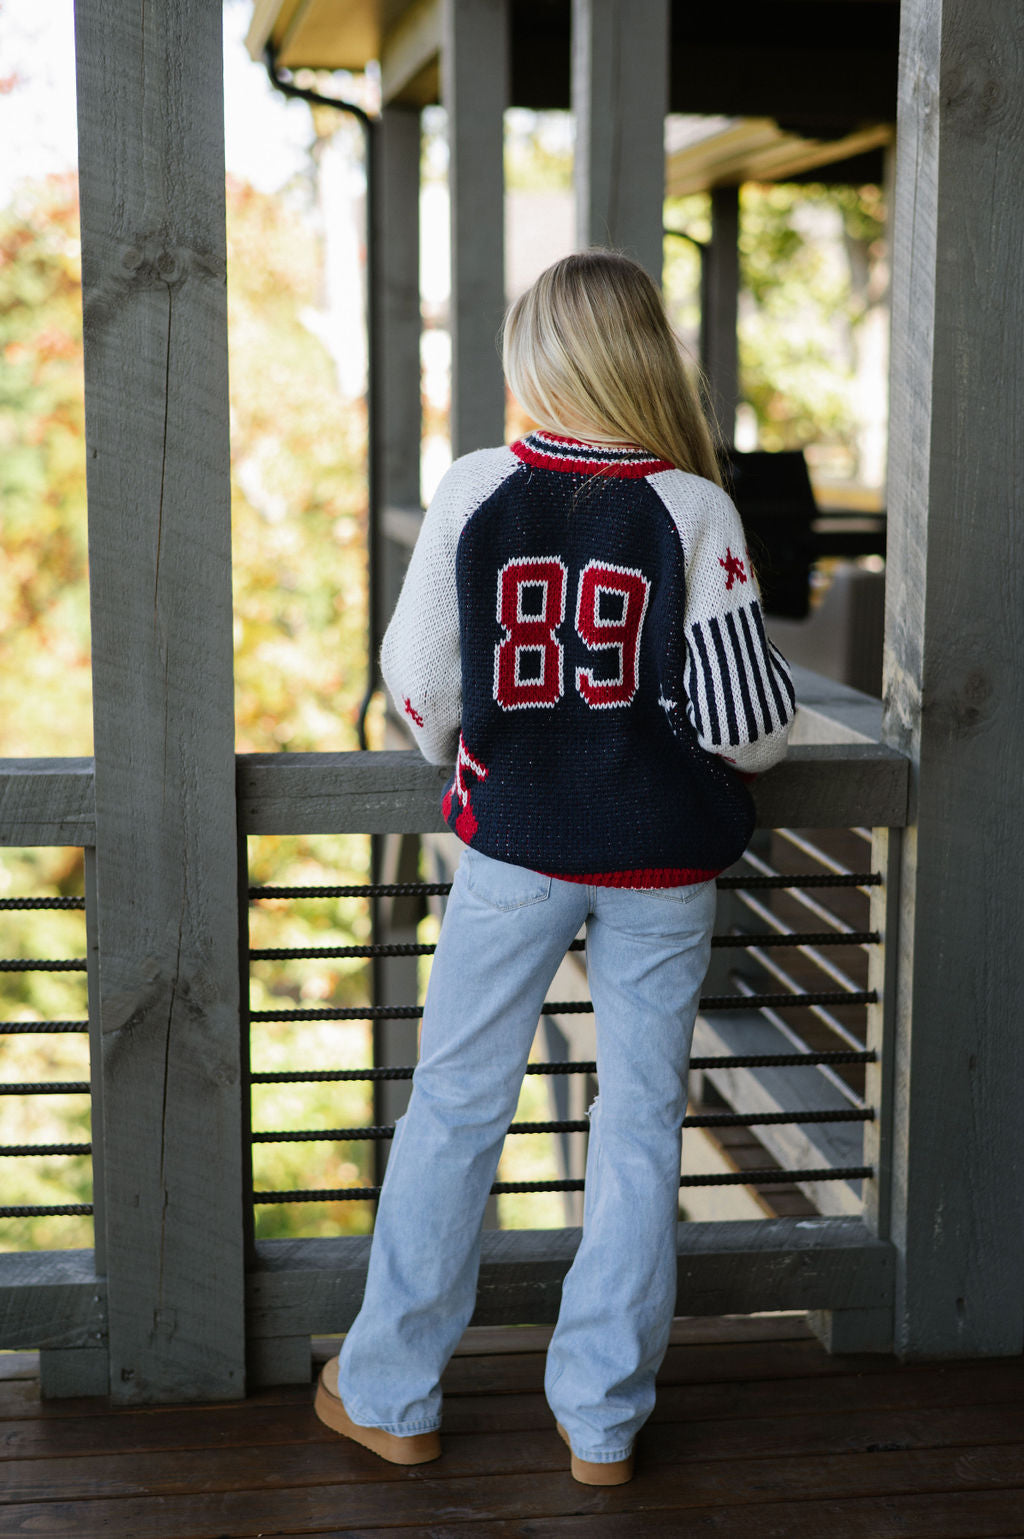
(420, 657)
(740, 698)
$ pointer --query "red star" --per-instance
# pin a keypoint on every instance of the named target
(734, 568)
(418, 719)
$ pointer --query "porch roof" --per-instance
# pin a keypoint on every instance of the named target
(823, 71)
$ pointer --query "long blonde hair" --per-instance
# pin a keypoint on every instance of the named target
(590, 339)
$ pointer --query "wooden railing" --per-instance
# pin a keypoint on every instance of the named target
(58, 1301)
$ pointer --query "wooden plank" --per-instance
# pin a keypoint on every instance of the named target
(392, 791)
(913, 1408)
(78, 1371)
(829, 712)
(467, 1453)
(378, 1493)
(971, 1515)
(18, 1365)
(834, 786)
(620, 98)
(396, 791)
(151, 148)
(316, 786)
(46, 801)
(51, 1299)
(732, 1267)
(474, 91)
(797, 1145)
(954, 688)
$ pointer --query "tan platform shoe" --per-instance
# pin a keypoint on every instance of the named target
(588, 1474)
(420, 1448)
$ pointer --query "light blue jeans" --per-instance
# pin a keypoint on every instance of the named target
(504, 934)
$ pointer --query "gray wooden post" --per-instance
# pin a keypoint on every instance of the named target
(954, 684)
(870, 1328)
(620, 51)
(720, 307)
(397, 404)
(151, 151)
(396, 298)
(474, 89)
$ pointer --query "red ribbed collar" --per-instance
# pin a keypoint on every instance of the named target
(547, 451)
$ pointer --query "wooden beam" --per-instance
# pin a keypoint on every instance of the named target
(474, 89)
(829, 712)
(620, 98)
(151, 154)
(825, 786)
(409, 55)
(954, 683)
(834, 776)
(46, 801)
(308, 1286)
(720, 309)
(51, 1299)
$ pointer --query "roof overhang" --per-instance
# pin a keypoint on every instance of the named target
(826, 70)
(723, 152)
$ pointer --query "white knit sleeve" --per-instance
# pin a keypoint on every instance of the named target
(419, 655)
(739, 694)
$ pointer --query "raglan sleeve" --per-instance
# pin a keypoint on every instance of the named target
(740, 698)
(420, 658)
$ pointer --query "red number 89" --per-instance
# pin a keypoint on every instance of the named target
(528, 661)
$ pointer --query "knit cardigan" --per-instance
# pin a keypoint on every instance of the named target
(580, 633)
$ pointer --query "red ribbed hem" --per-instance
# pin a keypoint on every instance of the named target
(649, 876)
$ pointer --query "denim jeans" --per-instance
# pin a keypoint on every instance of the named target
(504, 934)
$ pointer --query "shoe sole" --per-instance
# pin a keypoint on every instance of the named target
(589, 1474)
(420, 1448)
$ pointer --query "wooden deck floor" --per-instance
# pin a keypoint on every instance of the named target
(757, 1433)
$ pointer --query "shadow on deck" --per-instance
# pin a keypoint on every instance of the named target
(757, 1432)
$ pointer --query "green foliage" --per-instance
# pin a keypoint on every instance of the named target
(298, 495)
(810, 270)
(45, 700)
(299, 512)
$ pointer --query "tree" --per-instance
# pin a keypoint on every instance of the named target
(299, 513)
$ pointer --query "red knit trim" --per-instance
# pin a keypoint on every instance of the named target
(645, 876)
(629, 470)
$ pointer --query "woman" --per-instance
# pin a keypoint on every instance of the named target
(580, 632)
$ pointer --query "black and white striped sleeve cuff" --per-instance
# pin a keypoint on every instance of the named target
(740, 697)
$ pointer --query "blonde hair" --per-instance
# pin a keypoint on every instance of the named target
(590, 340)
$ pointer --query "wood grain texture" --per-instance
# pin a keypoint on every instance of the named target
(46, 801)
(150, 99)
(51, 1299)
(954, 685)
(756, 1430)
(620, 98)
(396, 791)
(316, 1285)
(850, 777)
(474, 91)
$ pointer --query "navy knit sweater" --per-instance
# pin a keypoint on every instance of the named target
(580, 632)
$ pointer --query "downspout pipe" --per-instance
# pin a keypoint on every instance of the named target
(373, 366)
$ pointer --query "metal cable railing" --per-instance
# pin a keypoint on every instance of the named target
(773, 933)
(46, 1147)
